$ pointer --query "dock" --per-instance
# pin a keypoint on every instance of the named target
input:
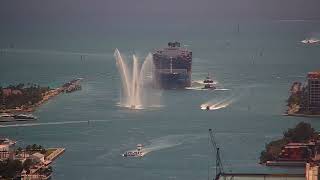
(55, 154)
(286, 163)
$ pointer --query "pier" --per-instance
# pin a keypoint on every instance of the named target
(55, 154)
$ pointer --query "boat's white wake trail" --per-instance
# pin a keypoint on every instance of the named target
(53, 52)
(50, 123)
(163, 143)
(217, 105)
(198, 85)
(167, 142)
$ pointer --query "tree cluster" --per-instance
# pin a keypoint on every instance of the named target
(10, 168)
(302, 133)
(30, 95)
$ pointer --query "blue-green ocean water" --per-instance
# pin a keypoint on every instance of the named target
(256, 66)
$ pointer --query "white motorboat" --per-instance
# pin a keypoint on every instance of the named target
(310, 41)
(135, 153)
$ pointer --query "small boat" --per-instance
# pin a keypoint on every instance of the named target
(24, 117)
(5, 117)
(135, 153)
(208, 83)
(310, 41)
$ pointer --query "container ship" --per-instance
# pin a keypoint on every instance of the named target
(172, 67)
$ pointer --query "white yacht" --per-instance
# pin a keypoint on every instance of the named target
(310, 41)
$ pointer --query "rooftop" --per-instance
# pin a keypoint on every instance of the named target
(314, 75)
(38, 155)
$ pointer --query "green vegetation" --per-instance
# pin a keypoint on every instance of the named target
(295, 99)
(45, 171)
(272, 151)
(302, 133)
(35, 148)
(10, 168)
(27, 164)
(21, 95)
(48, 152)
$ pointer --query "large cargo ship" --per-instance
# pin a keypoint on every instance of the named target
(172, 67)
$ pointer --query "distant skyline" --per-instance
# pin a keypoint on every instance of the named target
(151, 11)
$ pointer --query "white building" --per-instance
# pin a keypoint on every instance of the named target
(312, 171)
(37, 157)
(4, 147)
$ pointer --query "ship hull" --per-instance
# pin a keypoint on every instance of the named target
(172, 80)
(172, 67)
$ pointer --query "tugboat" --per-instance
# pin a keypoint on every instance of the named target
(208, 83)
(135, 153)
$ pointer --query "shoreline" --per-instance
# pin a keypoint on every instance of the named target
(48, 95)
(48, 160)
(301, 115)
(69, 87)
(54, 154)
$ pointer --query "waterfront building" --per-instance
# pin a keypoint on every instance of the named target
(37, 157)
(314, 91)
(4, 147)
(4, 151)
(297, 152)
(312, 171)
(257, 176)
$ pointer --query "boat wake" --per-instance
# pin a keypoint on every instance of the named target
(163, 143)
(52, 52)
(202, 89)
(213, 105)
(199, 84)
(50, 123)
(167, 142)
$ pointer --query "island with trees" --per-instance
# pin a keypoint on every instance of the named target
(297, 146)
(304, 98)
(26, 97)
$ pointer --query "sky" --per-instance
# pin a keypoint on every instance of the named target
(153, 11)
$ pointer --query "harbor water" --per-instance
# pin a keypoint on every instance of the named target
(253, 68)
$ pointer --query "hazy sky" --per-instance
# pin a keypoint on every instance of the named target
(117, 11)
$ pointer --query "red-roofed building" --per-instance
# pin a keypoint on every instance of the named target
(6, 92)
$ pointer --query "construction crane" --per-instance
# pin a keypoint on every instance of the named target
(219, 166)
